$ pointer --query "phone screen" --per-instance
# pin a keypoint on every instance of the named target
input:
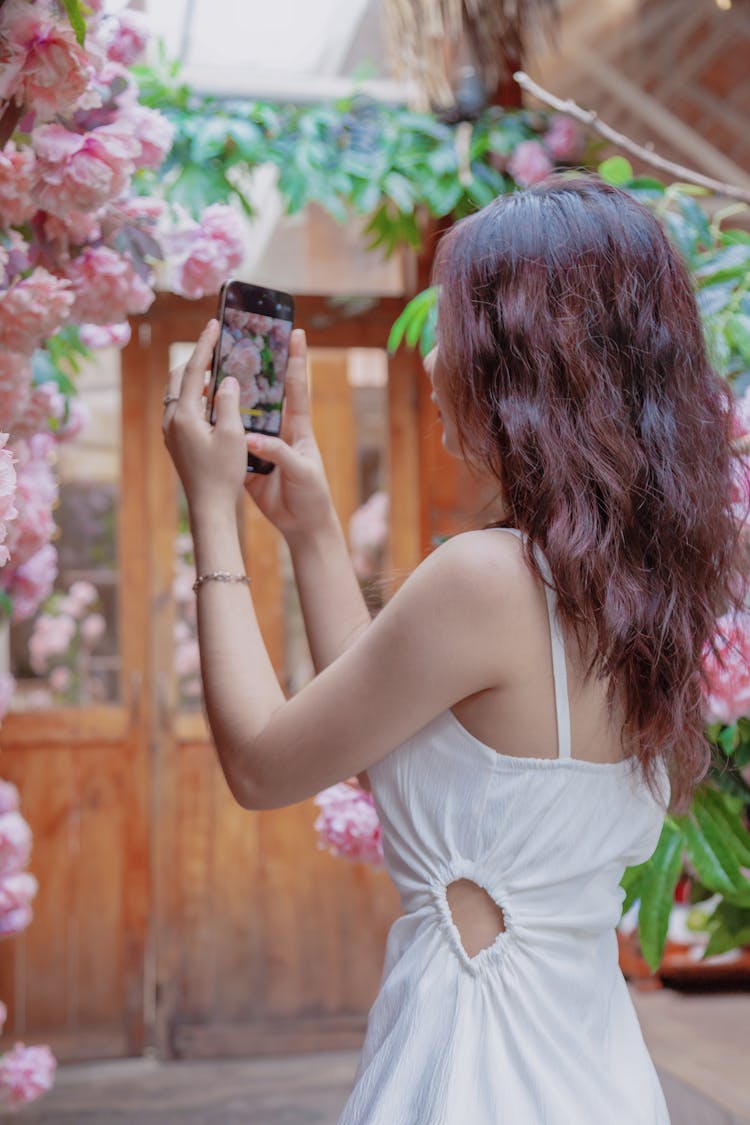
(256, 324)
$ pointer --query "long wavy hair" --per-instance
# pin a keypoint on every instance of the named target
(578, 373)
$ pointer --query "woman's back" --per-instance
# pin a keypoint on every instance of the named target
(518, 983)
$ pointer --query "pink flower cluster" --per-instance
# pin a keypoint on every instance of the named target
(212, 250)
(727, 693)
(531, 161)
(368, 535)
(348, 824)
(25, 1074)
(17, 887)
(69, 625)
(41, 64)
(8, 482)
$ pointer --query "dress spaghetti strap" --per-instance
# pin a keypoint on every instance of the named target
(559, 670)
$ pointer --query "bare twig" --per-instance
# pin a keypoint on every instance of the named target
(589, 118)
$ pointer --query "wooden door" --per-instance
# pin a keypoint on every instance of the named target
(78, 978)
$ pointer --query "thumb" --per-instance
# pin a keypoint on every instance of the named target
(292, 464)
(227, 404)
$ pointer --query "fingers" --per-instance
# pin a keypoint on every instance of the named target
(274, 449)
(191, 391)
(297, 400)
(227, 407)
(172, 392)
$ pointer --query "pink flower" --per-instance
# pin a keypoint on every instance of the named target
(83, 171)
(529, 163)
(52, 636)
(563, 139)
(78, 418)
(42, 66)
(727, 691)
(36, 494)
(8, 797)
(217, 249)
(8, 485)
(26, 1073)
(155, 133)
(93, 628)
(107, 288)
(15, 387)
(16, 181)
(83, 594)
(31, 583)
(105, 335)
(243, 362)
(15, 843)
(60, 679)
(126, 36)
(43, 409)
(33, 309)
(368, 534)
(72, 228)
(348, 825)
(16, 893)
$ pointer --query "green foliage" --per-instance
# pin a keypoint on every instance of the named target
(353, 156)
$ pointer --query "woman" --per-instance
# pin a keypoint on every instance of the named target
(526, 703)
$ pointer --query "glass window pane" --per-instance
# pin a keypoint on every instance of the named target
(67, 654)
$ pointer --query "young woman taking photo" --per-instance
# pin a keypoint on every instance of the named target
(527, 704)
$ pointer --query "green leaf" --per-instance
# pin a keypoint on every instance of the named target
(630, 883)
(657, 893)
(617, 170)
(77, 21)
(713, 857)
(729, 926)
(725, 811)
(6, 606)
(738, 331)
(411, 322)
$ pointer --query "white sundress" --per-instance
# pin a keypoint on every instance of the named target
(539, 1027)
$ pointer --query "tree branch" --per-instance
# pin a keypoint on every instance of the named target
(10, 115)
(590, 119)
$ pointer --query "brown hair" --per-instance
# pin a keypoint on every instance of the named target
(577, 371)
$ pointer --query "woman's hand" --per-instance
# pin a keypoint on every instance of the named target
(295, 497)
(211, 460)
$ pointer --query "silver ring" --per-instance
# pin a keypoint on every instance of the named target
(170, 398)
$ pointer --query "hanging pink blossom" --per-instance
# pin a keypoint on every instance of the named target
(107, 288)
(16, 180)
(52, 636)
(76, 420)
(83, 594)
(60, 679)
(93, 628)
(28, 585)
(33, 309)
(368, 534)
(125, 36)
(74, 228)
(15, 387)
(42, 67)
(25, 1074)
(563, 139)
(8, 796)
(16, 894)
(155, 134)
(36, 494)
(43, 409)
(105, 335)
(15, 843)
(529, 163)
(217, 249)
(348, 825)
(727, 695)
(83, 171)
(8, 486)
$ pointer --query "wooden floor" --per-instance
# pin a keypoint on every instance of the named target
(698, 1043)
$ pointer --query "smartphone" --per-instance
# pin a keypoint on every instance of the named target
(256, 324)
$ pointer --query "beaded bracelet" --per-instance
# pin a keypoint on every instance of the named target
(219, 576)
